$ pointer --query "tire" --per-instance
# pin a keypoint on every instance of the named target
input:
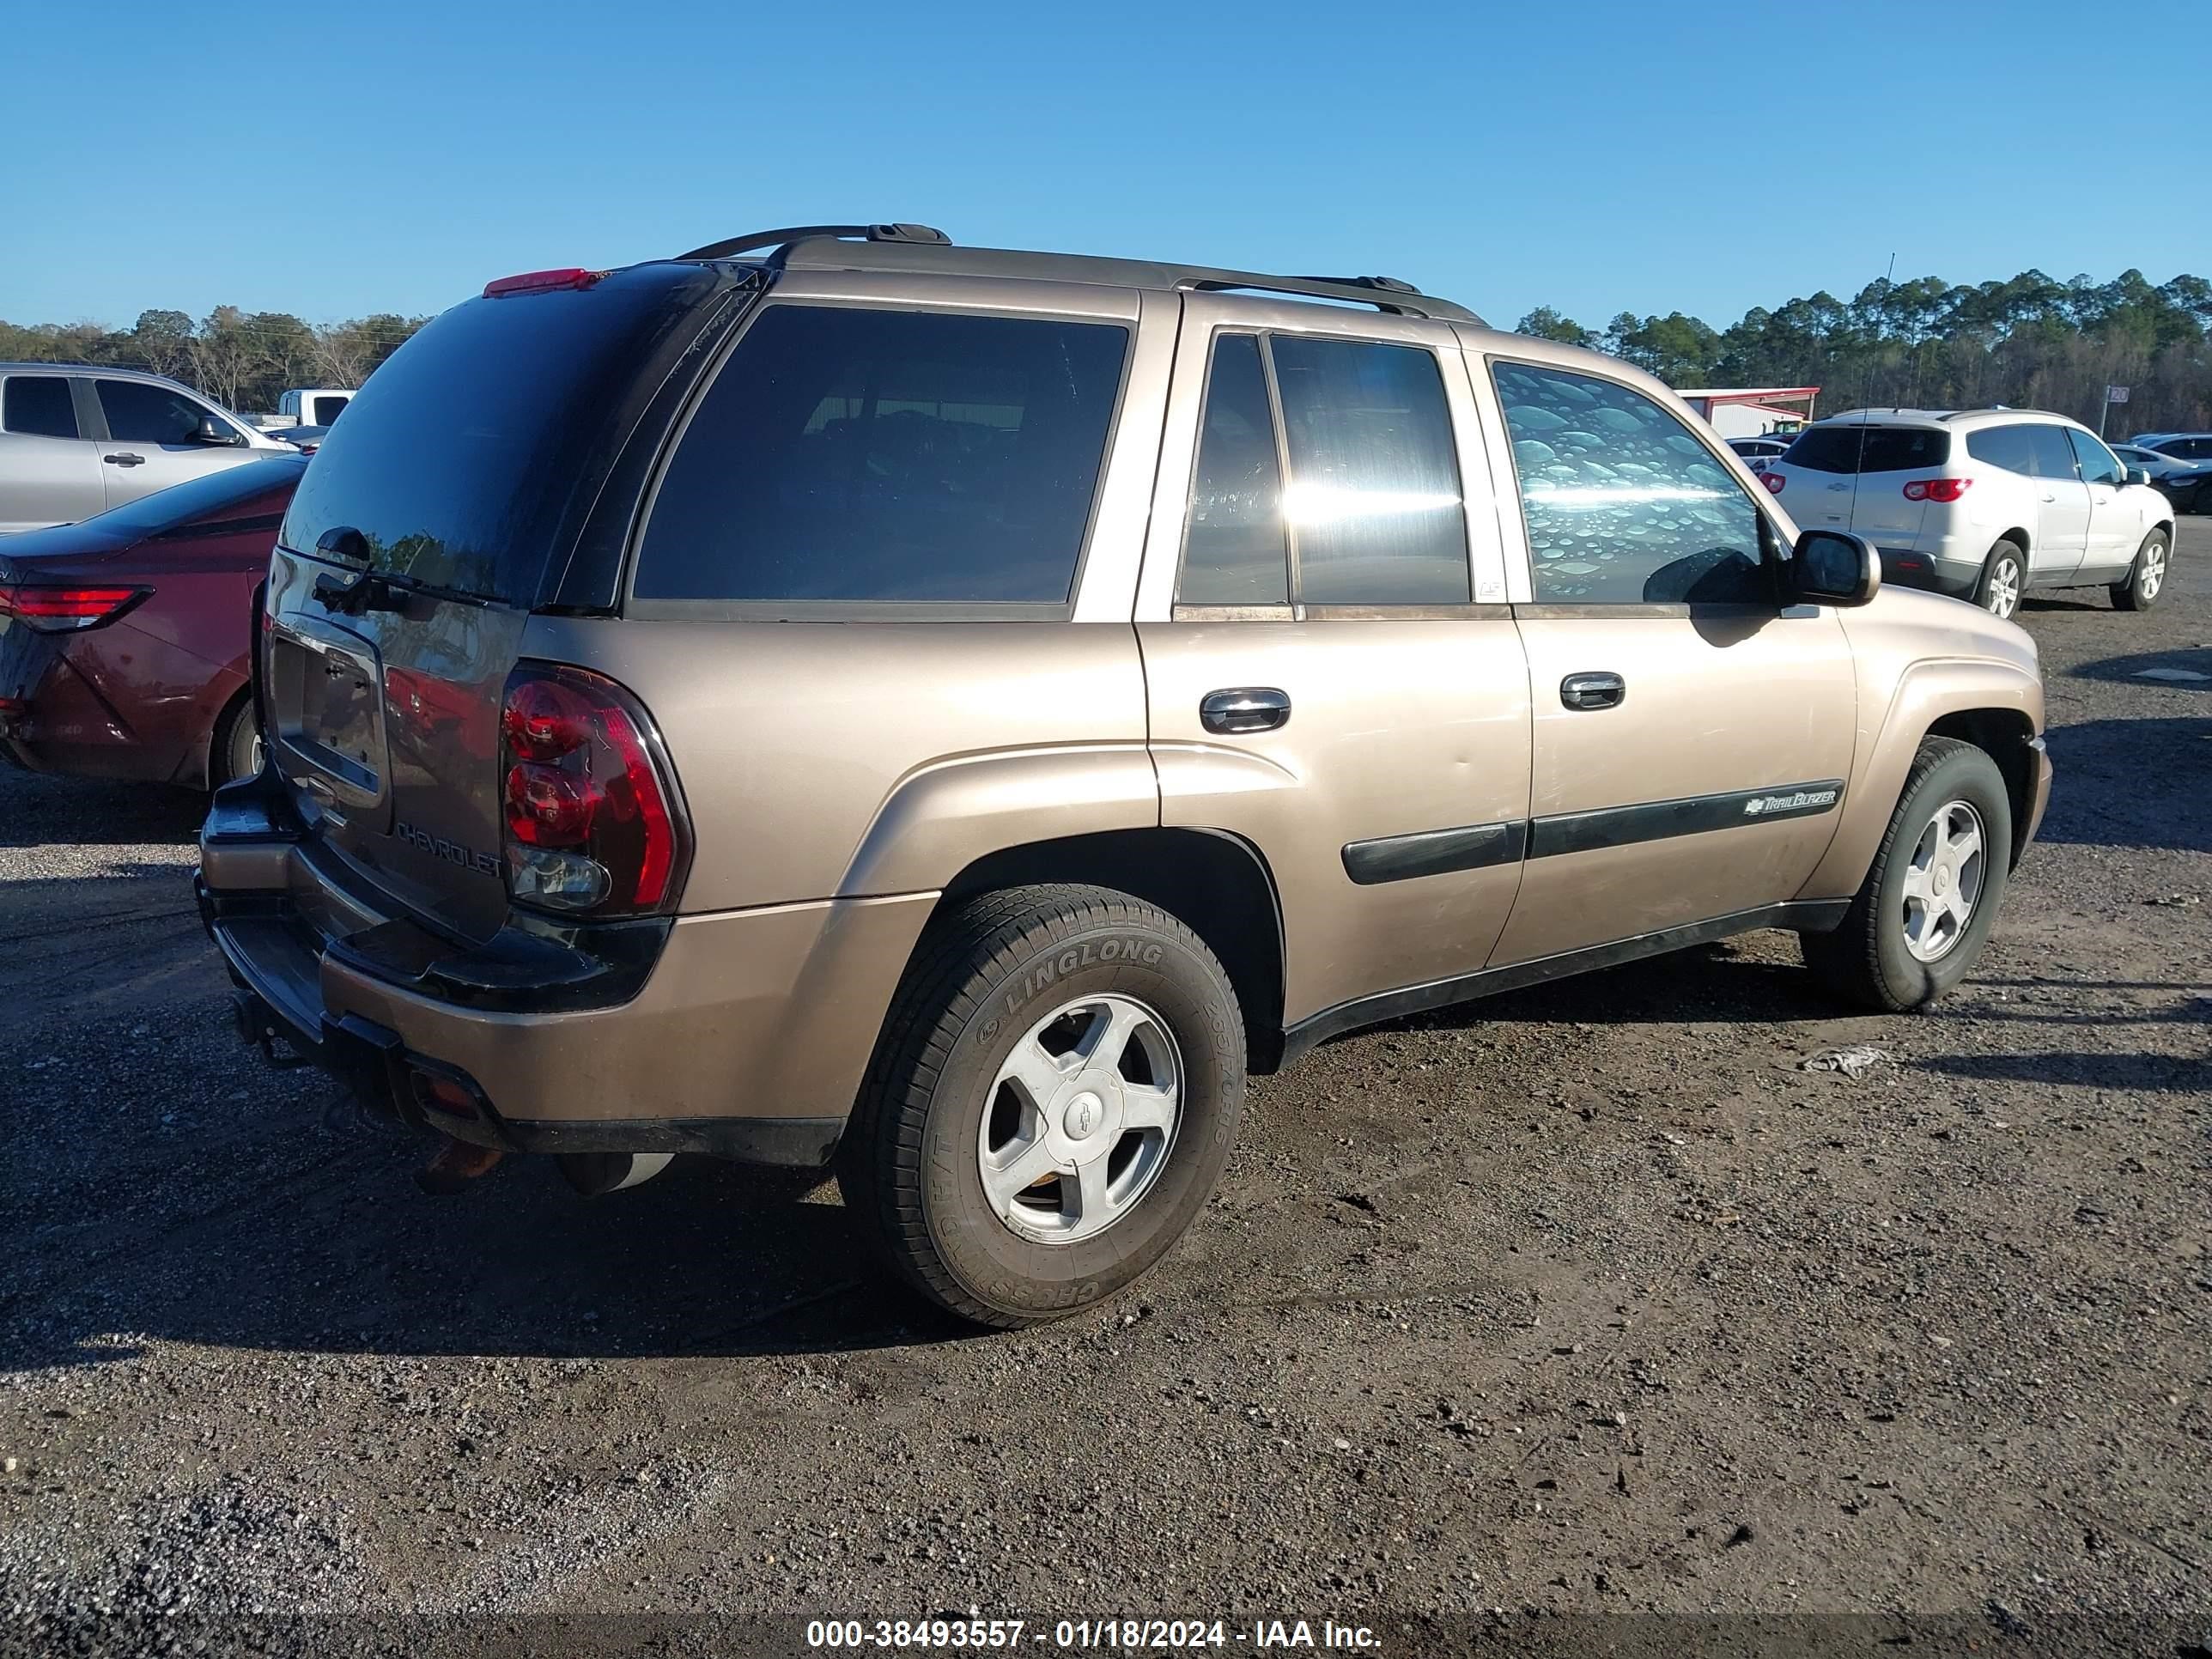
(1877, 958)
(940, 1104)
(234, 751)
(2003, 580)
(2146, 578)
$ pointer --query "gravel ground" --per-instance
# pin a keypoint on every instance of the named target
(1586, 1300)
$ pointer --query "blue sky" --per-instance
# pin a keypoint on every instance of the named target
(336, 160)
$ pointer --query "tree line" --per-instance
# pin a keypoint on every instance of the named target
(2031, 342)
(244, 361)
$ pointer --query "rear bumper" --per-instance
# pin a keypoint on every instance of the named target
(1939, 571)
(745, 1035)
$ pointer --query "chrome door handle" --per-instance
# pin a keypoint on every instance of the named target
(1244, 709)
(1599, 690)
(2051, 498)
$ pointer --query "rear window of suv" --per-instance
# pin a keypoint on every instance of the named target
(1869, 448)
(467, 457)
(861, 456)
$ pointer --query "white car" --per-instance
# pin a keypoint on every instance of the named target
(1982, 504)
(1759, 450)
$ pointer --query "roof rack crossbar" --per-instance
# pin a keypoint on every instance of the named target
(730, 247)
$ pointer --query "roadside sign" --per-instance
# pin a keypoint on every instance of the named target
(2116, 394)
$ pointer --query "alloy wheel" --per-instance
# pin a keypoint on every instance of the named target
(2153, 576)
(1080, 1120)
(1944, 881)
(2003, 598)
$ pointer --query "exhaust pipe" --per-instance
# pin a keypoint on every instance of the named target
(596, 1174)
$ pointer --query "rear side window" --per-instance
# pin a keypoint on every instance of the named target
(2006, 447)
(39, 406)
(1374, 496)
(867, 456)
(1623, 504)
(140, 413)
(2186, 449)
(1869, 448)
(1234, 552)
(327, 410)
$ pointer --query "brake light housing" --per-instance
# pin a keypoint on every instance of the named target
(1937, 490)
(541, 282)
(595, 822)
(1772, 480)
(64, 609)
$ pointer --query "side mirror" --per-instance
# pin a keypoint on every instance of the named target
(1828, 567)
(2137, 475)
(213, 431)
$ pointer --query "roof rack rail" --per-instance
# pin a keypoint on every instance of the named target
(1381, 292)
(753, 240)
(1386, 284)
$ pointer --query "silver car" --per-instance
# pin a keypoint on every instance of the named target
(76, 440)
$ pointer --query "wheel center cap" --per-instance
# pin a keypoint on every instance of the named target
(1942, 879)
(1084, 1114)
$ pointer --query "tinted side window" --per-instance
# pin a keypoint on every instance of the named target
(1233, 549)
(2099, 464)
(857, 455)
(140, 413)
(327, 410)
(2054, 456)
(1374, 495)
(2007, 446)
(1623, 506)
(38, 405)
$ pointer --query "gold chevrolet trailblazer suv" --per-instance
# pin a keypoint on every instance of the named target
(840, 698)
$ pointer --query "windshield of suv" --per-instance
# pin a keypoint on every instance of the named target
(462, 458)
(1869, 448)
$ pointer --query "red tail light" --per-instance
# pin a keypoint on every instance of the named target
(58, 609)
(541, 282)
(1772, 480)
(593, 822)
(1937, 490)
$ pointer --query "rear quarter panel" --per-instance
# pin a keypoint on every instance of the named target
(823, 760)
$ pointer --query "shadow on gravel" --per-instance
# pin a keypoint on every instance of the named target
(2130, 670)
(1709, 984)
(2167, 1073)
(2132, 783)
(44, 809)
(343, 1255)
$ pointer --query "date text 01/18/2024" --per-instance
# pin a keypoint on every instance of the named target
(1130, 1635)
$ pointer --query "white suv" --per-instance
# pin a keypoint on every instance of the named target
(1981, 504)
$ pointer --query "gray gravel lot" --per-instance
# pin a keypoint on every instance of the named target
(1583, 1300)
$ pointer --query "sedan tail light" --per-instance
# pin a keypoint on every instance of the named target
(593, 822)
(1937, 490)
(58, 609)
(1772, 480)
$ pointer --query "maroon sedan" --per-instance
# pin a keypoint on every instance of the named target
(123, 639)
